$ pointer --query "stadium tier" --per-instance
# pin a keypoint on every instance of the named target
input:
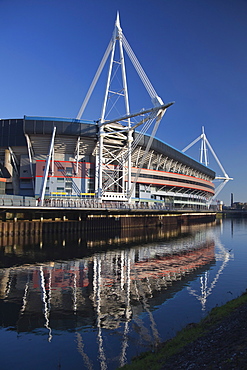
(68, 167)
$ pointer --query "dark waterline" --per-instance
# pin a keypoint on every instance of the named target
(95, 301)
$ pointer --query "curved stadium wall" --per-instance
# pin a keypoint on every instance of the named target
(167, 176)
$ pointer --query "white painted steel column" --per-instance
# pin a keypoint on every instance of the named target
(46, 171)
(108, 77)
(52, 161)
(203, 148)
(100, 163)
(29, 149)
(126, 100)
(77, 154)
(101, 128)
(96, 184)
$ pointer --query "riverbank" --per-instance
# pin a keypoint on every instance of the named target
(218, 342)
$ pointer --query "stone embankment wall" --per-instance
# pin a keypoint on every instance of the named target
(103, 222)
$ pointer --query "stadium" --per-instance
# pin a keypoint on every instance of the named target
(109, 160)
(167, 175)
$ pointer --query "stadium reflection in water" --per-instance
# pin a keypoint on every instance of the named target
(100, 286)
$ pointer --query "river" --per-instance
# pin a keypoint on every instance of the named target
(69, 301)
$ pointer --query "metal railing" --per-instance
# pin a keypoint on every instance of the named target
(17, 201)
(22, 201)
(92, 203)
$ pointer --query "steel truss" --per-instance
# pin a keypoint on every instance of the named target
(204, 160)
(116, 145)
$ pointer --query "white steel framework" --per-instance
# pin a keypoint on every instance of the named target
(115, 138)
(204, 160)
(47, 165)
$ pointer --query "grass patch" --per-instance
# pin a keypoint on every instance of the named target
(219, 313)
(155, 359)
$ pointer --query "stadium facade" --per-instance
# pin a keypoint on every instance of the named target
(111, 160)
(162, 175)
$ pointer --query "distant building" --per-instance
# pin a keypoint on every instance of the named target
(239, 205)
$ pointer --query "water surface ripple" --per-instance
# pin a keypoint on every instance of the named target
(95, 301)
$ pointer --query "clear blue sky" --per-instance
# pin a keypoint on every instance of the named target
(193, 51)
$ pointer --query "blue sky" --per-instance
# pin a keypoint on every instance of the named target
(193, 51)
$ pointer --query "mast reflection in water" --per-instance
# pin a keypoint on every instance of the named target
(97, 301)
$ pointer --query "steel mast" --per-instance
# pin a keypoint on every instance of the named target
(117, 36)
(203, 154)
(115, 137)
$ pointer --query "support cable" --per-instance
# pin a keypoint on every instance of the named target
(95, 80)
(139, 69)
(205, 142)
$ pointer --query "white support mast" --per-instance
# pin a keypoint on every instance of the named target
(126, 100)
(203, 148)
(115, 137)
(46, 171)
(30, 156)
(204, 160)
(117, 36)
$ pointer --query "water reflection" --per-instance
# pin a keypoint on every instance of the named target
(206, 287)
(104, 285)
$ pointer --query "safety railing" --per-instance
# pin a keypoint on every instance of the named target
(18, 201)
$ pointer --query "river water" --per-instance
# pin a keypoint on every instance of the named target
(94, 301)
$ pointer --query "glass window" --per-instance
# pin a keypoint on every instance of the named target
(91, 172)
(25, 181)
(90, 185)
(68, 185)
(68, 171)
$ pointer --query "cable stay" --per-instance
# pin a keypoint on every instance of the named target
(116, 143)
(205, 145)
(123, 44)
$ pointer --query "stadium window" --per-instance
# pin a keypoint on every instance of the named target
(68, 171)
(25, 181)
(90, 185)
(91, 172)
(68, 185)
